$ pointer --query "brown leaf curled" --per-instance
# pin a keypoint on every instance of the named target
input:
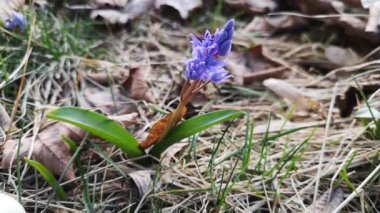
(137, 85)
(5, 120)
(182, 8)
(47, 148)
(161, 127)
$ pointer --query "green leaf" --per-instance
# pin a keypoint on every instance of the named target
(49, 177)
(194, 125)
(101, 126)
(72, 145)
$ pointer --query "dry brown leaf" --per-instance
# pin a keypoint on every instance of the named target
(126, 120)
(170, 153)
(183, 8)
(132, 10)
(111, 16)
(106, 79)
(255, 66)
(108, 100)
(254, 6)
(160, 128)
(329, 58)
(349, 100)
(137, 85)
(291, 94)
(354, 3)
(5, 120)
(48, 148)
(341, 56)
(238, 70)
(355, 27)
(142, 180)
(320, 6)
(257, 61)
(275, 23)
(328, 202)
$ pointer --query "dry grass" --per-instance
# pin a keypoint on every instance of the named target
(222, 169)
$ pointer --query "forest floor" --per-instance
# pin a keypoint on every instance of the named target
(300, 77)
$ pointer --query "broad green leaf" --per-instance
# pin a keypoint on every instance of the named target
(194, 125)
(49, 177)
(101, 126)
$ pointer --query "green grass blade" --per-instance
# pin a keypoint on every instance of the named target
(72, 145)
(49, 177)
(101, 126)
(192, 126)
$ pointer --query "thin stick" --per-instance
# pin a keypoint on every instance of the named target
(23, 77)
(321, 156)
(358, 190)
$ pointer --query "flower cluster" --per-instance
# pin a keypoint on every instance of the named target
(206, 63)
(16, 20)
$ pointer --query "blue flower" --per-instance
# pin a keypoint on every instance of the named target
(224, 37)
(16, 20)
(206, 64)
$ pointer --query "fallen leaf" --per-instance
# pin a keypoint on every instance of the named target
(183, 8)
(169, 155)
(111, 16)
(126, 119)
(142, 180)
(107, 79)
(5, 120)
(276, 23)
(109, 100)
(254, 6)
(257, 61)
(160, 128)
(320, 6)
(341, 56)
(374, 18)
(255, 66)
(354, 3)
(328, 202)
(137, 85)
(47, 148)
(292, 95)
(355, 27)
(132, 10)
(238, 70)
(325, 59)
(349, 100)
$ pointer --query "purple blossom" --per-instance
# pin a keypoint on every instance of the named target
(206, 63)
(16, 20)
(224, 37)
